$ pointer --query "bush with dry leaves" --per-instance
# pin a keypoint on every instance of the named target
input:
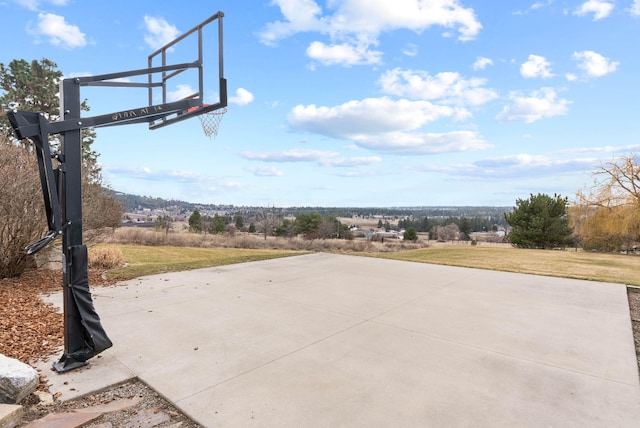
(22, 214)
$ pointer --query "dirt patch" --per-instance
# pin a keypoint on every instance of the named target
(132, 404)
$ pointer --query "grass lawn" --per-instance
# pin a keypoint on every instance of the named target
(617, 268)
(146, 260)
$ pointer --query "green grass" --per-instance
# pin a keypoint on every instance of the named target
(146, 260)
(617, 268)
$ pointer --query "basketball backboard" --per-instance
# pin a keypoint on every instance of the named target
(184, 79)
(201, 45)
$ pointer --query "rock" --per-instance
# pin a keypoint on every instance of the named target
(44, 398)
(10, 415)
(148, 418)
(62, 420)
(114, 406)
(17, 380)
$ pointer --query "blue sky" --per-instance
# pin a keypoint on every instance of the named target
(361, 102)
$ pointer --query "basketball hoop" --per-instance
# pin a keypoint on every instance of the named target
(210, 120)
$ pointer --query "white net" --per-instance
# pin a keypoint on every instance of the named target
(210, 121)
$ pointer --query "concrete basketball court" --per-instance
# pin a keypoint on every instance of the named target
(326, 340)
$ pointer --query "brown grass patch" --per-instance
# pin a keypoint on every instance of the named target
(105, 257)
(617, 268)
(151, 237)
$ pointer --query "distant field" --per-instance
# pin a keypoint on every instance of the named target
(617, 268)
(362, 223)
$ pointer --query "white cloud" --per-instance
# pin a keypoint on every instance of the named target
(541, 104)
(404, 143)
(521, 160)
(482, 63)
(515, 166)
(266, 171)
(603, 149)
(59, 32)
(322, 158)
(370, 17)
(386, 125)
(448, 87)
(594, 64)
(159, 31)
(368, 116)
(35, 4)
(375, 16)
(343, 54)
(599, 8)
(534, 6)
(635, 8)
(351, 162)
(536, 66)
(293, 155)
(412, 49)
(242, 97)
(354, 25)
(541, 4)
(299, 15)
(181, 92)
(187, 178)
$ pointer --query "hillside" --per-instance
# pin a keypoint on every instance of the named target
(134, 203)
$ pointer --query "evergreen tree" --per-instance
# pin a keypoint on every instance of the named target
(539, 222)
(239, 221)
(410, 234)
(308, 223)
(33, 86)
(218, 224)
(195, 222)
(465, 229)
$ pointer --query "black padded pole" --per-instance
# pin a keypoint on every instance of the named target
(84, 336)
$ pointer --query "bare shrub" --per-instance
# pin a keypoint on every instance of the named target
(100, 211)
(22, 214)
(105, 257)
(230, 229)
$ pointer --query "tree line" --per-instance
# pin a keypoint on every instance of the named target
(603, 217)
(313, 225)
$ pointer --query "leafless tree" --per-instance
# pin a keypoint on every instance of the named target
(328, 228)
(267, 221)
(100, 210)
(606, 216)
(448, 232)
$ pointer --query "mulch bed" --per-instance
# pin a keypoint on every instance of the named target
(29, 329)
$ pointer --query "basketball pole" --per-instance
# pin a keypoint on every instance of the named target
(84, 336)
(81, 341)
